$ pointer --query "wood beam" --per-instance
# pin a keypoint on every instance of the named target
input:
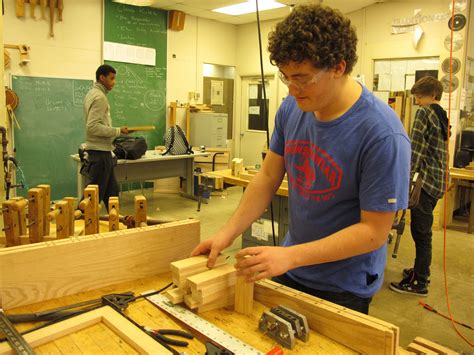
(89, 262)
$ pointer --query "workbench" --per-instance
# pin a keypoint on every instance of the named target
(151, 166)
(52, 274)
(457, 174)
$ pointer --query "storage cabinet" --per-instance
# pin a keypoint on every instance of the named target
(208, 129)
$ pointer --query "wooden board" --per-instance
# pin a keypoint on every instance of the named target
(89, 262)
(127, 331)
(439, 349)
(358, 331)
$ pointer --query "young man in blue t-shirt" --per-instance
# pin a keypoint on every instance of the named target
(348, 161)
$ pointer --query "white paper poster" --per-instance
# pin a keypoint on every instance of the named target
(217, 94)
(385, 82)
(126, 53)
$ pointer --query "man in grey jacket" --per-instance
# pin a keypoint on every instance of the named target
(98, 167)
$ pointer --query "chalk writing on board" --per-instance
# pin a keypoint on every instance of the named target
(79, 91)
(154, 100)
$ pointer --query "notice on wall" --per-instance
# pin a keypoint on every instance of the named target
(126, 53)
(385, 82)
(217, 92)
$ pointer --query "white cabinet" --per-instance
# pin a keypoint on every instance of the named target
(209, 129)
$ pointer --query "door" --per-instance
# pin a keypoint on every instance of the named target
(253, 139)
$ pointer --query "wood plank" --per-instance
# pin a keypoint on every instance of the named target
(88, 262)
(182, 269)
(224, 273)
(46, 206)
(121, 326)
(434, 346)
(419, 349)
(353, 329)
(243, 296)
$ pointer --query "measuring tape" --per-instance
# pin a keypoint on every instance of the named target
(204, 327)
(17, 342)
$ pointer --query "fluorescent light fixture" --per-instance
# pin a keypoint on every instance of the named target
(249, 7)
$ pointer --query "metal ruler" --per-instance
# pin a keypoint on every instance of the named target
(16, 341)
(202, 326)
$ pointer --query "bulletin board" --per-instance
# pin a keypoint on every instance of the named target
(139, 95)
(392, 75)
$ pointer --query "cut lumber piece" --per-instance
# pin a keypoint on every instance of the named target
(140, 211)
(223, 301)
(420, 349)
(243, 296)
(213, 295)
(209, 290)
(355, 330)
(175, 295)
(182, 269)
(190, 302)
(224, 273)
(89, 262)
(439, 349)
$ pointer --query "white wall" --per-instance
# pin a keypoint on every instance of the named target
(201, 41)
(76, 49)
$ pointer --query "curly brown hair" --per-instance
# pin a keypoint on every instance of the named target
(314, 33)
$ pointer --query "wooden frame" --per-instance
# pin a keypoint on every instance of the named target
(360, 332)
(126, 330)
(42, 271)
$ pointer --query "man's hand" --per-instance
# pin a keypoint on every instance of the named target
(263, 262)
(124, 130)
(213, 246)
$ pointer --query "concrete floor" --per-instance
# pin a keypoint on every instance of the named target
(399, 309)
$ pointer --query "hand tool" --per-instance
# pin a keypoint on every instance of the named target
(203, 327)
(43, 4)
(16, 341)
(52, 5)
(60, 9)
(160, 334)
(32, 8)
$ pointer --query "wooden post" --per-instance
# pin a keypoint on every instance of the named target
(10, 222)
(243, 296)
(114, 214)
(71, 209)
(140, 211)
(47, 206)
(172, 119)
(188, 121)
(35, 215)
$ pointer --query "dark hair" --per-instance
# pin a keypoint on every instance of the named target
(428, 86)
(318, 34)
(104, 70)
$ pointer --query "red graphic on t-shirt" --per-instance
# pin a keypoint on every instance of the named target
(312, 172)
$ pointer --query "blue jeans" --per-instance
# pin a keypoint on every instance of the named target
(421, 223)
(345, 299)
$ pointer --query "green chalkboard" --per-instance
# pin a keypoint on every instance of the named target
(139, 96)
(51, 118)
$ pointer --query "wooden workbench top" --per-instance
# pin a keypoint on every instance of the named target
(234, 180)
(98, 339)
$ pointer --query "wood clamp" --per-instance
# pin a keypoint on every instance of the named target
(36, 218)
(114, 214)
(90, 206)
(62, 216)
(284, 325)
(11, 224)
(140, 211)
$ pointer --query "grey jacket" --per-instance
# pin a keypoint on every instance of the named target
(99, 130)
